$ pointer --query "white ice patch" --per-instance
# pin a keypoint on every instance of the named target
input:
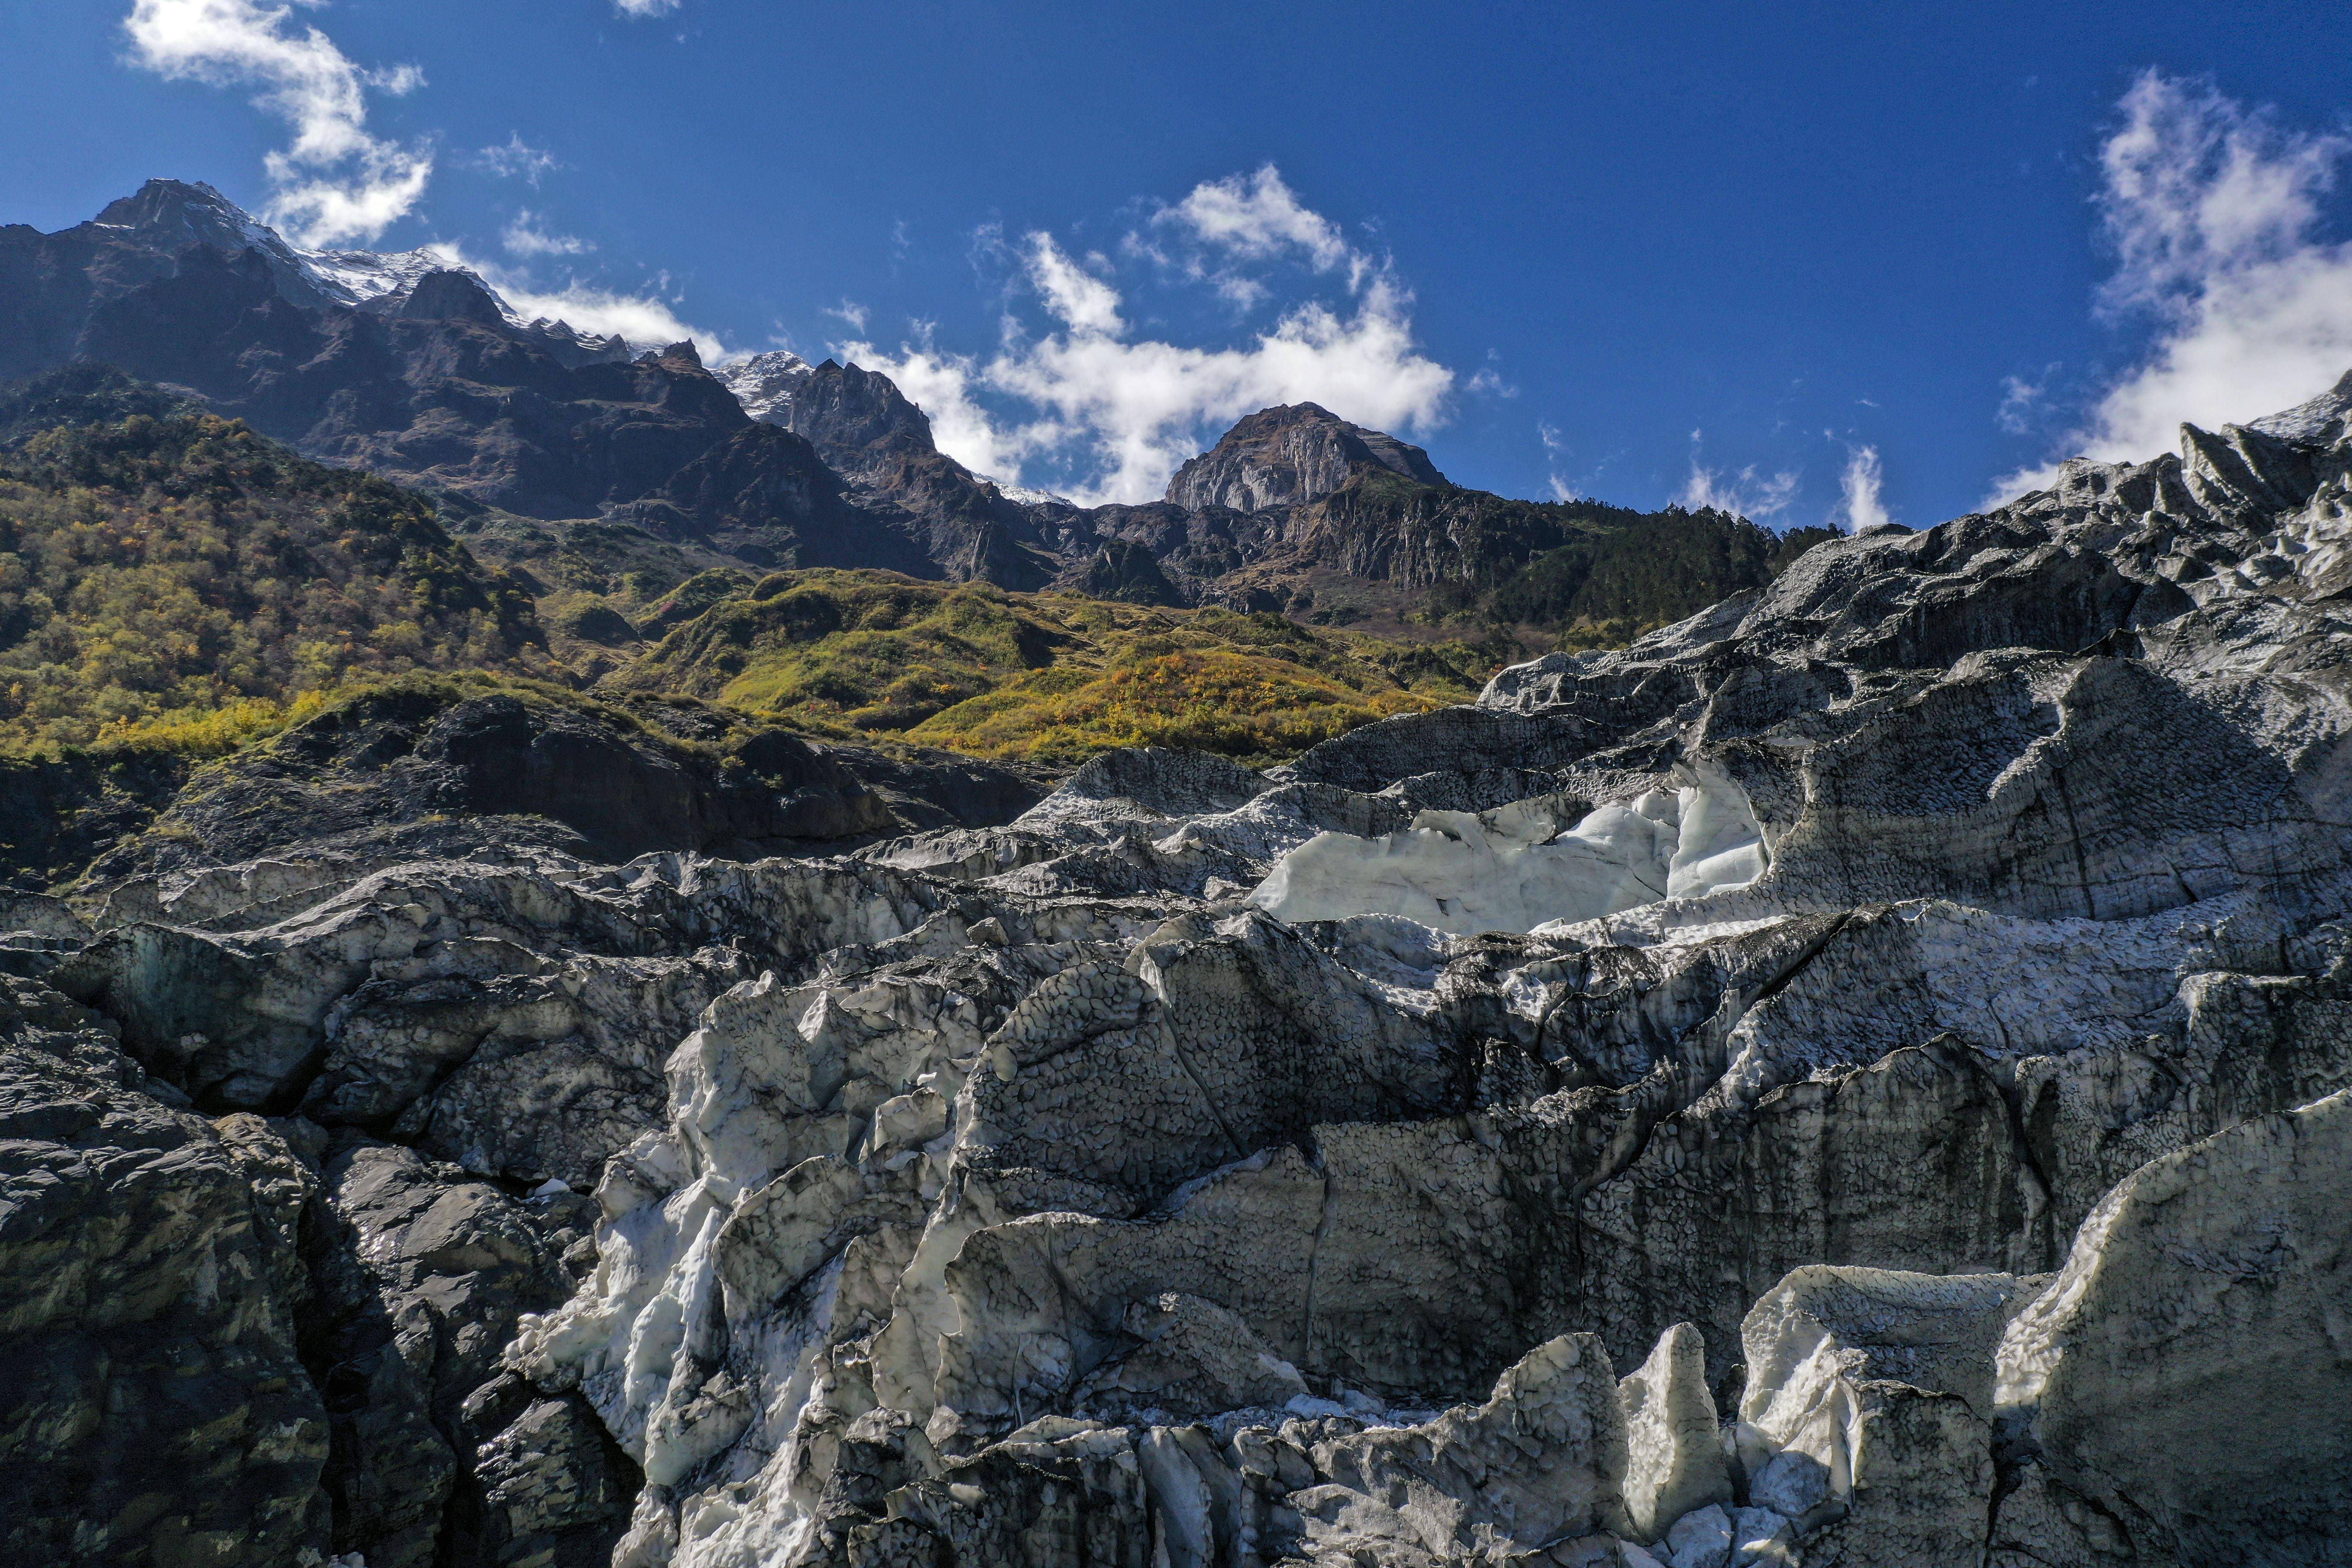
(1521, 865)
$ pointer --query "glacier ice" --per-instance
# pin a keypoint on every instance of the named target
(1531, 863)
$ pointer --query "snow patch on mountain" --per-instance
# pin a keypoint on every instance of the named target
(766, 384)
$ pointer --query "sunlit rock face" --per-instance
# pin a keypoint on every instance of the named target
(1754, 1096)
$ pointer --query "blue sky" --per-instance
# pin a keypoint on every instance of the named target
(1823, 262)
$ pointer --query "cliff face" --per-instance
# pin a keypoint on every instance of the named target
(1751, 1097)
(862, 426)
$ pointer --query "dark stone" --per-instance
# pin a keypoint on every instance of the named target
(153, 1407)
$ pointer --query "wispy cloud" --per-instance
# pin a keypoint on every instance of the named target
(643, 319)
(1115, 413)
(1861, 492)
(1081, 300)
(645, 10)
(2214, 212)
(1258, 217)
(1748, 493)
(2024, 402)
(338, 183)
(514, 159)
(1224, 227)
(1554, 449)
(526, 236)
(849, 312)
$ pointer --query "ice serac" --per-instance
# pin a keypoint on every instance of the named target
(1755, 1096)
(1675, 1462)
(2211, 1285)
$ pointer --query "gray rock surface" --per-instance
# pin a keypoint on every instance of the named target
(1026, 1192)
(153, 1407)
(1289, 455)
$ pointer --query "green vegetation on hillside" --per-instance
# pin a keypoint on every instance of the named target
(172, 585)
(182, 573)
(1052, 677)
(1640, 571)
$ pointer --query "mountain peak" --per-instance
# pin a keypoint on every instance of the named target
(167, 217)
(767, 383)
(1289, 455)
(854, 416)
(452, 295)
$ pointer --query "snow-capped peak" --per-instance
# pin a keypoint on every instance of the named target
(170, 214)
(766, 384)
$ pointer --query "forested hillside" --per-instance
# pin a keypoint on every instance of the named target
(176, 570)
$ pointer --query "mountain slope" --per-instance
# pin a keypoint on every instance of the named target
(172, 567)
(1054, 678)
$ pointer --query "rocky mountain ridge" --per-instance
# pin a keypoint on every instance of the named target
(1755, 1096)
(589, 460)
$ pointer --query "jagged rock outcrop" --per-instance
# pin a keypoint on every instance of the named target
(1961, 1017)
(865, 428)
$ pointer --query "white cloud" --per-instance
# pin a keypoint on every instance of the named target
(1861, 503)
(527, 236)
(1258, 217)
(1747, 493)
(516, 160)
(2214, 212)
(1114, 414)
(1079, 299)
(338, 183)
(850, 311)
(2022, 402)
(644, 320)
(1247, 218)
(644, 10)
